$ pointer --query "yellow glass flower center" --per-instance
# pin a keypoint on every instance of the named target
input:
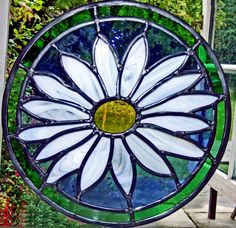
(115, 116)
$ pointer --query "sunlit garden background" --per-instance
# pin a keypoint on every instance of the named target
(21, 206)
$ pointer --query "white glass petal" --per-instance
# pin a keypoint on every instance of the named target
(44, 132)
(172, 86)
(96, 164)
(83, 77)
(122, 166)
(183, 103)
(62, 142)
(55, 89)
(106, 65)
(134, 66)
(70, 162)
(171, 143)
(177, 123)
(163, 70)
(54, 111)
(146, 155)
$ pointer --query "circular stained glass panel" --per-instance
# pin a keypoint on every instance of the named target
(123, 113)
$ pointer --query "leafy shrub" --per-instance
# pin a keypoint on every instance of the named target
(38, 214)
(226, 34)
(26, 18)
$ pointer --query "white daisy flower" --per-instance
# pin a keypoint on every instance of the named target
(160, 103)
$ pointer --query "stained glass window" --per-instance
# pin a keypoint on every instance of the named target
(117, 119)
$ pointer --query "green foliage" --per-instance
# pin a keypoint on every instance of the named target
(13, 99)
(66, 5)
(220, 14)
(226, 36)
(11, 187)
(224, 167)
(26, 18)
(189, 10)
(39, 214)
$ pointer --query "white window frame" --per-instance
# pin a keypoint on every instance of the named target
(221, 182)
(4, 25)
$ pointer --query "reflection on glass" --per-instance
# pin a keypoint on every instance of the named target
(115, 116)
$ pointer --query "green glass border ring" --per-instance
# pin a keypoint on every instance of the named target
(51, 108)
